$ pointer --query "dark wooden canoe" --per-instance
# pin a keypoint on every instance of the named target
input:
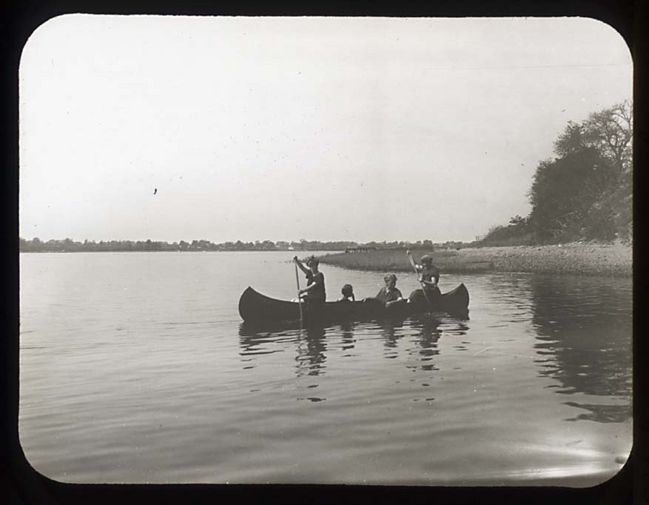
(257, 308)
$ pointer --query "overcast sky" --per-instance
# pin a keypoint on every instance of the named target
(288, 128)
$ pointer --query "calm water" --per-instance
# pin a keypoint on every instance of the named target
(134, 367)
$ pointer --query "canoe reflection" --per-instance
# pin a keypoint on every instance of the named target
(315, 345)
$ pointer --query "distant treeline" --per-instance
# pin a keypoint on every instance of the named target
(69, 245)
(585, 192)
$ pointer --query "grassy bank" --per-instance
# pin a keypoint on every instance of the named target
(576, 258)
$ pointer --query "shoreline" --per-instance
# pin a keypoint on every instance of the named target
(574, 258)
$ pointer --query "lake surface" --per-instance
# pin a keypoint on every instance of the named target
(134, 367)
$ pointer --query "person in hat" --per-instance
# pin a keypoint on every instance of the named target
(348, 294)
(389, 294)
(315, 284)
(428, 277)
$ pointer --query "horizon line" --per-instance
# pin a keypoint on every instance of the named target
(292, 241)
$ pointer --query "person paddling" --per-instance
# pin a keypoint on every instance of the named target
(314, 292)
(428, 276)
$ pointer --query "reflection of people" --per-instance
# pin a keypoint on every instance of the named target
(348, 294)
(390, 335)
(347, 333)
(428, 277)
(311, 360)
(428, 338)
(389, 294)
(315, 287)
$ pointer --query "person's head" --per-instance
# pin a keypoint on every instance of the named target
(390, 280)
(347, 290)
(312, 262)
(427, 260)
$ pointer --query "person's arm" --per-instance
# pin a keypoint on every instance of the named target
(315, 280)
(411, 259)
(299, 263)
(417, 268)
(436, 275)
(308, 288)
(431, 283)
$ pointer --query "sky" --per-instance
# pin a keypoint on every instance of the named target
(258, 128)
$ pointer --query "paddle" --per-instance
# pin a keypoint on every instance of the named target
(423, 285)
(299, 300)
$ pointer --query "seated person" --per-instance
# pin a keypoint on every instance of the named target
(389, 295)
(348, 294)
(315, 286)
(428, 278)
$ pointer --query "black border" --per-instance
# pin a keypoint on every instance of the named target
(21, 484)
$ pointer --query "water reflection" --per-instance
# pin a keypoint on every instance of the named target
(255, 340)
(427, 337)
(390, 332)
(583, 330)
(313, 344)
(601, 413)
(311, 349)
(347, 334)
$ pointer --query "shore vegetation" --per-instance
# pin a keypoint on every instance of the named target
(69, 245)
(585, 192)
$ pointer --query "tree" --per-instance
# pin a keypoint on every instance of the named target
(609, 132)
(586, 191)
(517, 221)
(564, 191)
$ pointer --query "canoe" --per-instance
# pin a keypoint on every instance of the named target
(257, 308)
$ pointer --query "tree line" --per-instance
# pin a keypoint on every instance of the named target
(69, 245)
(585, 192)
